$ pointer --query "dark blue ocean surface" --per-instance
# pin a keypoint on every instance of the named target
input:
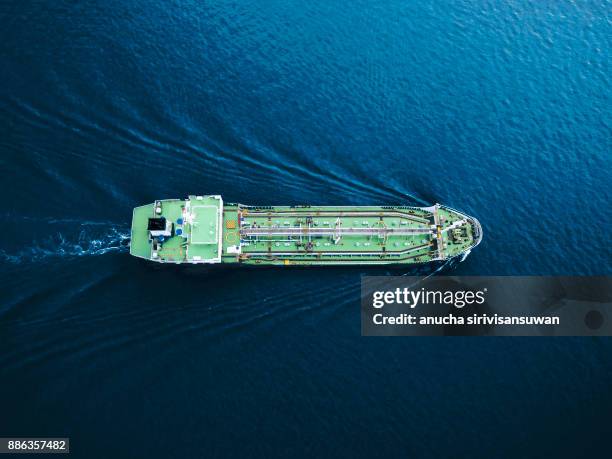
(500, 109)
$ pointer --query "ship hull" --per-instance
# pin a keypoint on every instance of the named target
(203, 230)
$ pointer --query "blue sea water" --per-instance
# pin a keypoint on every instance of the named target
(498, 108)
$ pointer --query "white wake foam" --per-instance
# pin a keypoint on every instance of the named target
(77, 239)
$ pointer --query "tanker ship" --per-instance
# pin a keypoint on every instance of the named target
(205, 230)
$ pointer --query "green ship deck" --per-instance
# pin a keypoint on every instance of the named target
(202, 229)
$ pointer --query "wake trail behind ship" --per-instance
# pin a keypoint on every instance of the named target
(39, 239)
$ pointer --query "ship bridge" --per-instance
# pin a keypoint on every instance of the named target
(179, 230)
(203, 217)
